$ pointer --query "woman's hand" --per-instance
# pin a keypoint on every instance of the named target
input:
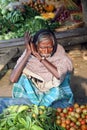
(27, 38)
(34, 51)
(30, 47)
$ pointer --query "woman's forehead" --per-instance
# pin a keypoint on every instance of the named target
(46, 42)
(46, 39)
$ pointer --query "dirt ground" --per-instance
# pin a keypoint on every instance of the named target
(78, 77)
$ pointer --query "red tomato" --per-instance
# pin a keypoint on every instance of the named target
(70, 109)
(83, 122)
(72, 124)
(84, 127)
(62, 114)
(68, 121)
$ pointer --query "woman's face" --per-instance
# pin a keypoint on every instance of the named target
(45, 48)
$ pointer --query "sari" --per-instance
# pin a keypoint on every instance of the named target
(60, 96)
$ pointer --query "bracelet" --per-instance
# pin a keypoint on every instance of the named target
(42, 58)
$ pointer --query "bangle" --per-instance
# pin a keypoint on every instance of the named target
(42, 58)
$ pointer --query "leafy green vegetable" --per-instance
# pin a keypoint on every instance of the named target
(13, 24)
(30, 12)
(13, 119)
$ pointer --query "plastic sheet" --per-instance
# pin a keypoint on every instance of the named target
(6, 102)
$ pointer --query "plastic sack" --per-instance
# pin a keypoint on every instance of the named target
(14, 5)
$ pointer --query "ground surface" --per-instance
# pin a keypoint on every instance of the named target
(78, 78)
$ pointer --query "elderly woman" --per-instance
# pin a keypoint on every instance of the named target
(42, 73)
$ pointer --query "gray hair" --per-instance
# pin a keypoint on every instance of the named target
(43, 37)
(45, 34)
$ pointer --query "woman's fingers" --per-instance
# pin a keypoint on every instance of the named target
(27, 37)
(33, 48)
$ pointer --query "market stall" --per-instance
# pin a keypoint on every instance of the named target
(19, 16)
(32, 117)
(66, 18)
(69, 30)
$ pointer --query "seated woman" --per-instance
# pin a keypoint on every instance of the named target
(42, 73)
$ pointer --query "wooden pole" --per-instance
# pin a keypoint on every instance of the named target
(84, 9)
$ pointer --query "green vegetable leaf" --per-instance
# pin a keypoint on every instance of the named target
(35, 127)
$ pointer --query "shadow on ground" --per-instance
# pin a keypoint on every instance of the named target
(79, 88)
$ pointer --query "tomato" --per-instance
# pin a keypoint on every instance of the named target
(59, 109)
(63, 120)
(67, 127)
(58, 122)
(72, 124)
(65, 110)
(78, 110)
(84, 127)
(77, 115)
(62, 114)
(73, 119)
(85, 111)
(83, 122)
(72, 128)
(63, 125)
(78, 123)
(76, 105)
(58, 118)
(80, 119)
(67, 121)
(83, 116)
(72, 113)
(70, 109)
(82, 107)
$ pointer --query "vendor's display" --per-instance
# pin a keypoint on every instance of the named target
(28, 118)
(34, 117)
(72, 118)
(17, 17)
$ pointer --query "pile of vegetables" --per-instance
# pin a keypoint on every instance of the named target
(72, 118)
(16, 18)
(15, 22)
(33, 117)
(28, 118)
